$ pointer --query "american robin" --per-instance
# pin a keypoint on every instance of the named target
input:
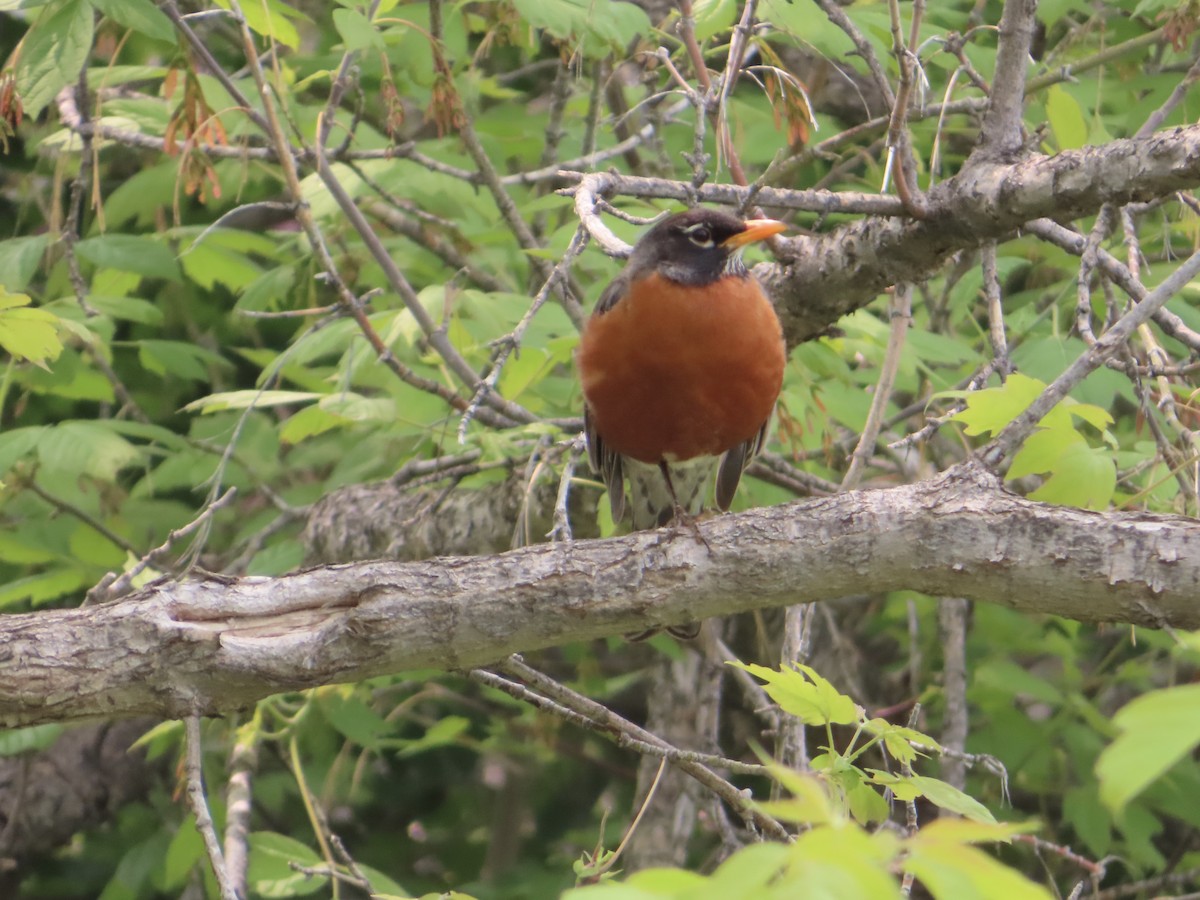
(681, 363)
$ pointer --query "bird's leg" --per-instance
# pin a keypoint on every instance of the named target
(681, 515)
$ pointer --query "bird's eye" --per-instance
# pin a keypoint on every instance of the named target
(700, 235)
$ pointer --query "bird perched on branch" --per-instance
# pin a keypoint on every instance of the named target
(681, 363)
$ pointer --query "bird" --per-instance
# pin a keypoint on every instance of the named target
(681, 364)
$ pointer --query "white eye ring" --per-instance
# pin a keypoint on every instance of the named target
(699, 234)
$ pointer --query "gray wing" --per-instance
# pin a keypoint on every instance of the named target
(734, 463)
(607, 462)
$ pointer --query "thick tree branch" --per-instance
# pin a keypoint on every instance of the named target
(1002, 134)
(834, 274)
(220, 644)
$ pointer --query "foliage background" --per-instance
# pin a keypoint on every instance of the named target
(154, 362)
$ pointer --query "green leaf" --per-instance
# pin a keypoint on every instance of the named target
(266, 291)
(581, 22)
(867, 805)
(1084, 476)
(815, 702)
(18, 442)
(24, 740)
(71, 377)
(19, 259)
(1157, 730)
(1093, 415)
(159, 738)
(130, 309)
(29, 334)
(1084, 812)
(270, 873)
(134, 873)
(841, 862)
(309, 422)
(243, 399)
(72, 449)
(1042, 451)
(899, 739)
(1014, 680)
(353, 718)
(210, 264)
(383, 887)
(1066, 119)
(139, 15)
(53, 53)
(15, 547)
(270, 18)
(713, 16)
(185, 851)
(930, 348)
(951, 871)
(991, 409)
(951, 798)
(187, 361)
(42, 588)
(909, 787)
(444, 731)
(145, 256)
(357, 31)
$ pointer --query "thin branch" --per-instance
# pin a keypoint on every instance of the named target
(511, 342)
(995, 310)
(1070, 71)
(1015, 432)
(1002, 133)
(607, 720)
(1119, 273)
(114, 587)
(952, 622)
(82, 515)
(864, 48)
(243, 761)
(212, 67)
(900, 312)
(199, 805)
(825, 202)
(898, 143)
(491, 180)
(562, 518)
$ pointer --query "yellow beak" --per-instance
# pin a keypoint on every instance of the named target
(756, 230)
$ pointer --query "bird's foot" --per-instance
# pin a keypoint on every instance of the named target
(681, 519)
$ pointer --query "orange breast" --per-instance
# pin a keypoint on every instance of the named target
(672, 372)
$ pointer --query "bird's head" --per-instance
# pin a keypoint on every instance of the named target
(699, 246)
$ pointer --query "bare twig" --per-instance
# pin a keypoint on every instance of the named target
(110, 590)
(199, 805)
(900, 310)
(610, 723)
(826, 202)
(899, 145)
(243, 761)
(952, 619)
(562, 518)
(995, 309)
(1023, 425)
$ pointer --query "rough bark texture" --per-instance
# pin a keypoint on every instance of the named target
(383, 520)
(833, 274)
(217, 644)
